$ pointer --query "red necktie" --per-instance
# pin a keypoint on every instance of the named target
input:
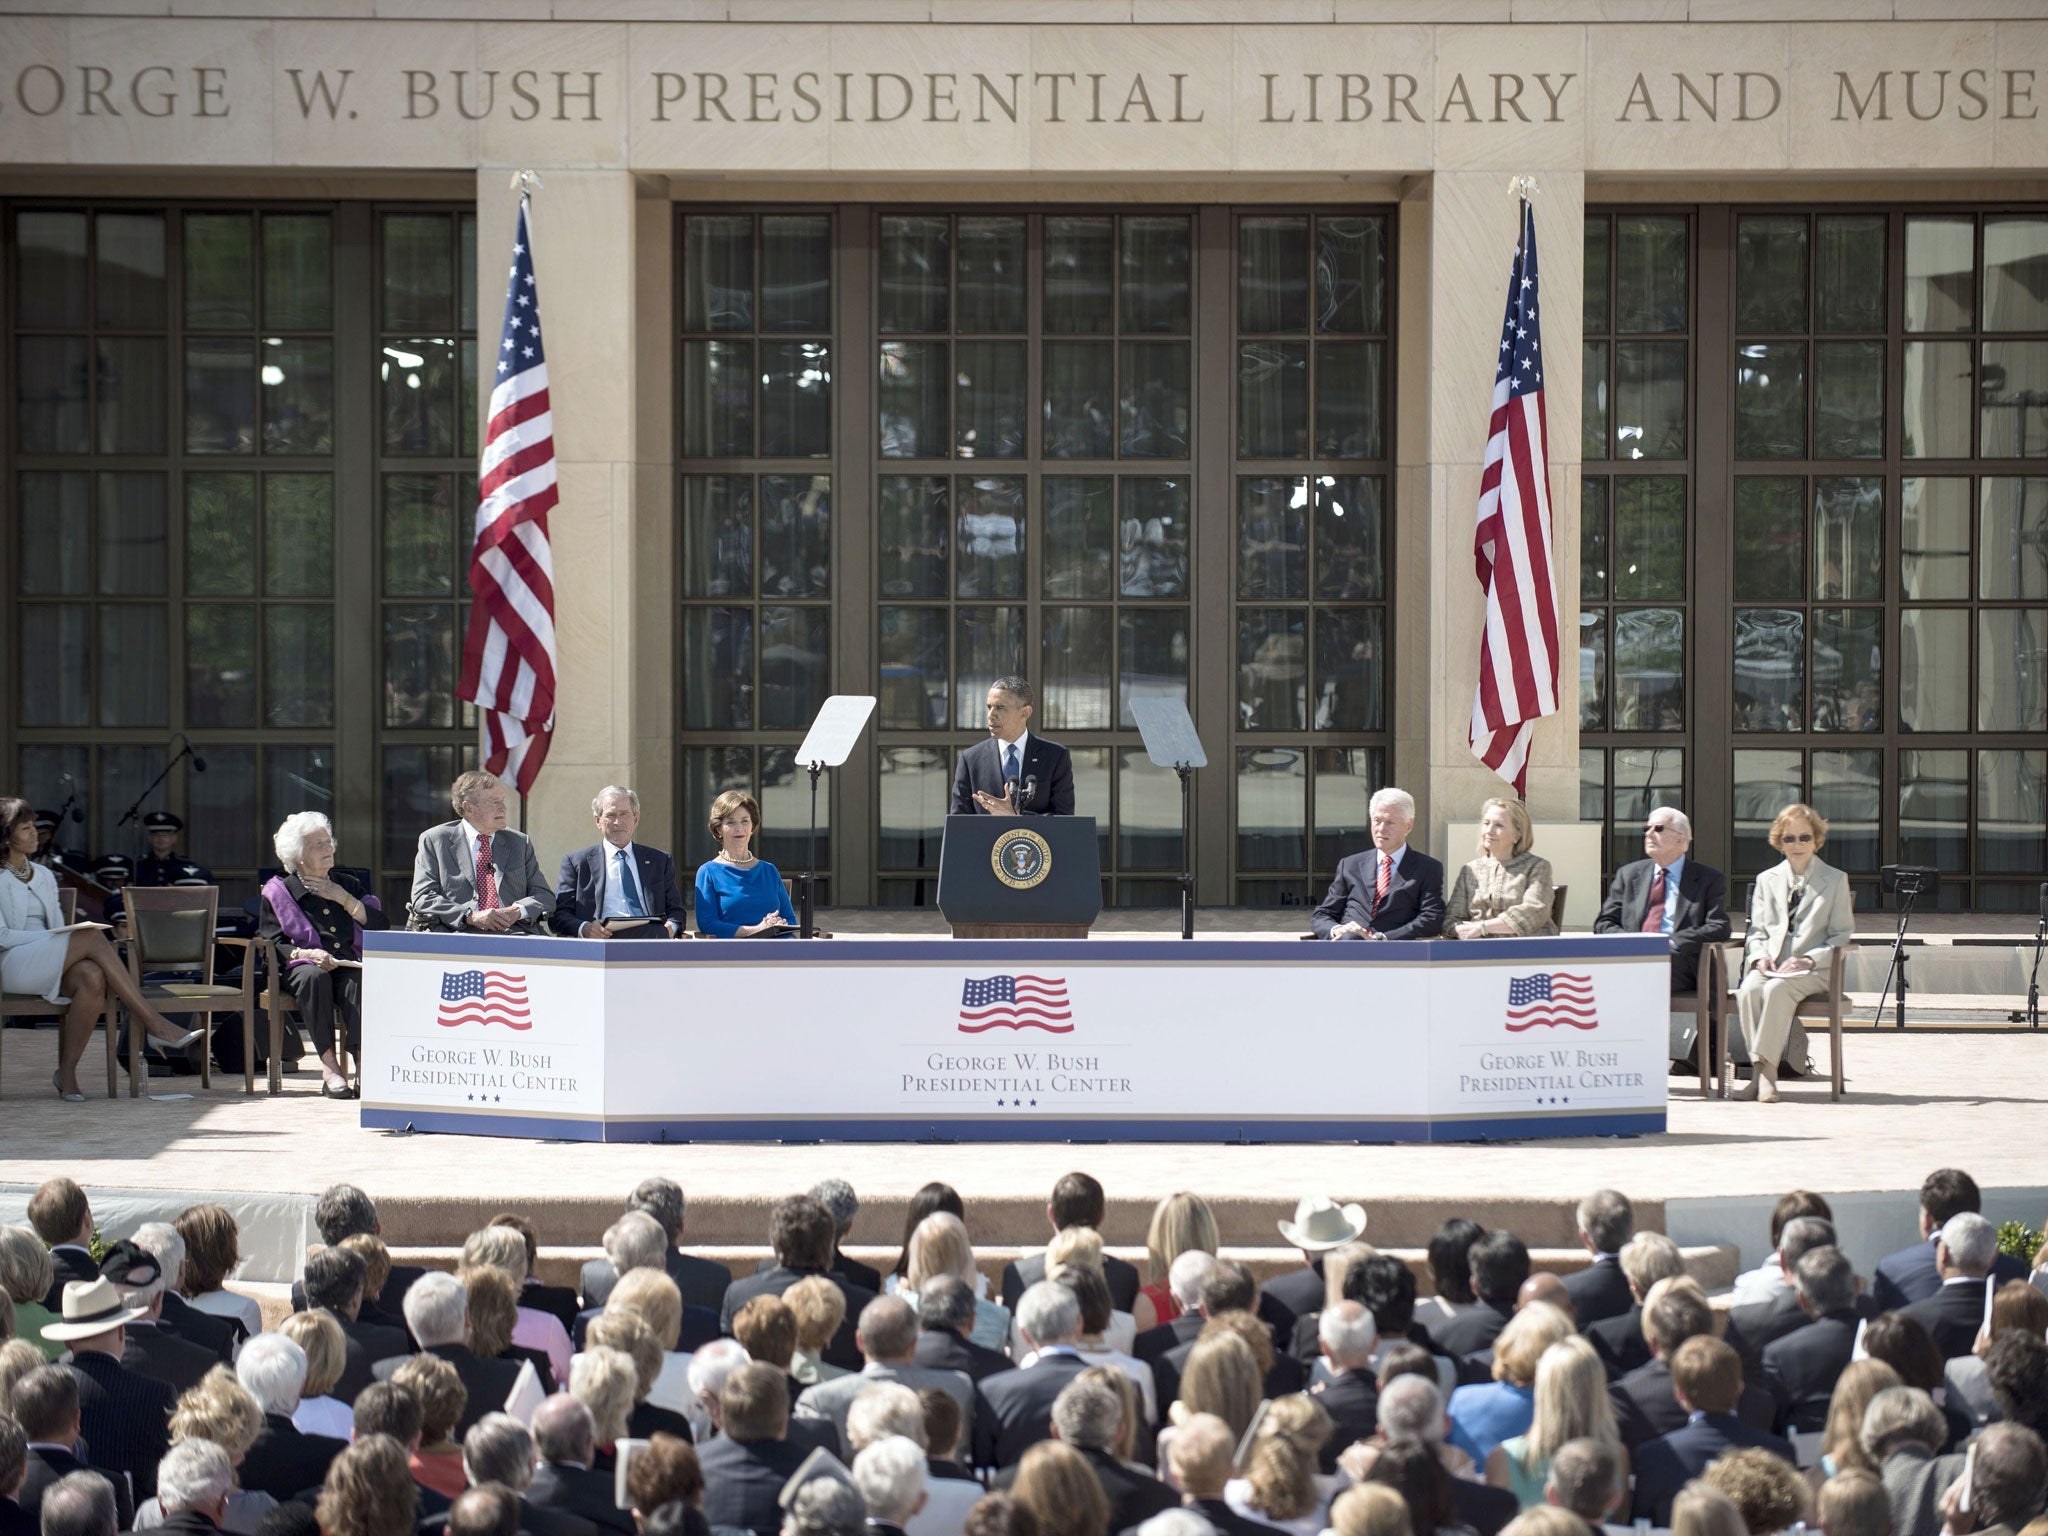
(1653, 918)
(486, 877)
(1386, 875)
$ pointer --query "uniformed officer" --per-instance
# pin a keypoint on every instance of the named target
(163, 864)
(47, 851)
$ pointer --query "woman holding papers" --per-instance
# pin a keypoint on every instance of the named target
(315, 919)
(738, 895)
(1799, 912)
(40, 957)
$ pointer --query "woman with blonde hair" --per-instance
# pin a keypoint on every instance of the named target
(1483, 1416)
(1799, 915)
(493, 1314)
(326, 1346)
(625, 1331)
(1181, 1223)
(1701, 1509)
(1571, 1403)
(219, 1408)
(939, 1246)
(1082, 1247)
(17, 1358)
(1505, 892)
(1055, 1483)
(603, 1380)
(437, 1464)
(654, 1298)
(820, 1307)
(1221, 1377)
(26, 1277)
(506, 1247)
(213, 1249)
(1368, 1509)
(1280, 1486)
(1131, 1417)
(1841, 1438)
(368, 1491)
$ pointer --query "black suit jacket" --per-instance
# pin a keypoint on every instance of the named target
(1414, 908)
(124, 1417)
(1619, 1342)
(842, 1351)
(1013, 1409)
(1953, 1314)
(284, 1460)
(1700, 918)
(1286, 1298)
(68, 1263)
(1352, 1400)
(580, 890)
(581, 1492)
(647, 1420)
(1047, 762)
(1754, 1328)
(1019, 1275)
(743, 1482)
(177, 1363)
(488, 1382)
(1800, 1369)
(365, 1344)
(702, 1281)
(1646, 1405)
(1153, 1344)
(183, 1320)
(944, 1350)
(866, 1276)
(1668, 1463)
(16, 1521)
(1599, 1291)
(1483, 1507)
(46, 1466)
(1469, 1330)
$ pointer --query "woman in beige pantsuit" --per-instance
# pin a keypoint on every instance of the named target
(1505, 892)
(1799, 912)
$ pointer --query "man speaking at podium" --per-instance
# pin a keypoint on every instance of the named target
(1013, 773)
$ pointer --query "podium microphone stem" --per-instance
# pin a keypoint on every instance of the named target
(807, 886)
(1187, 873)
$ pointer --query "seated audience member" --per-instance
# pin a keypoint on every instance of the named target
(315, 916)
(385, 1408)
(566, 1481)
(61, 1216)
(1416, 1474)
(1365, 1509)
(1669, 892)
(1645, 1400)
(345, 1212)
(1350, 1344)
(1059, 1487)
(1014, 1409)
(218, 1411)
(623, 1330)
(746, 1466)
(819, 1307)
(122, 1413)
(1600, 1291)
(1701, 1509)
(801, 1233)
(219, 1335)
(1799, 912)
(1912, 1274)
(498, 1451)
(1226, 1286)
(1771, 1277)
(1646, 1258)
(556, 1301)
(150, 1348)
(1499, 1263)
(2008, 1481)
(1587, 1478)
(1752, 1328)
(1221, 1377)
(1077, 1201)
(13, 1473)
(1087, 1416)
(1800, 1368)
(887, 1340)
(319, 1412)
(379, 1283)
(932, 1196)
(947, 1310)
(1901, 1343)
(2016, 1368)
(1903, 1433)
(435, 1386)
(889, 1475)
(1505, 892)
(1706, 1375)
(1181, 1223)
(651, 1296)
(483, 1512)
(825, 1506)
(1841, 1442)
(1184, 1278)
(492, 1300)
(1853, 1503)
(213, 1252)
(945, 1435)
(79, 1504)
(1483, 1416)
(1570, 1404)
(618, 887)
(1320, 1225)
(709, 1370)
(283, 1460)
(702, 1282)
(740, 896)
(1450, 1273)
(1081, 1248)
(368, 1491)
(336, 1281)
(26, 1276)
(1412, 1415)
(1765, 1489)
(474, 873)
(437, 1316)
(602, 1380)
(45, 1403)
(1964, 1253)
(1200, 1464)
(1100, 1323)
(2016, 1308)
(843, 1205)
(885, 1409)
(1390, 892)
(1131, 1422)
(938, 1247)
(1280, 1485)
(533, 1329)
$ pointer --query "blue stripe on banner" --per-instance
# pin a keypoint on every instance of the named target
(1212, 1131)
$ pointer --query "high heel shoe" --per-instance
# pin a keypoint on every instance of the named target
(178, 1042)
(57, 1082)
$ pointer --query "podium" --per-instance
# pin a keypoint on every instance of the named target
(1020, 877)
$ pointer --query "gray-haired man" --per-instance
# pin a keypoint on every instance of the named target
(1391, 892)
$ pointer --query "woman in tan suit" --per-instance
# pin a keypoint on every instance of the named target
(1505, 892)
(1799, 912)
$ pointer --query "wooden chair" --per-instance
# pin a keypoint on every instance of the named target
(67, 903)
(1701, 1001)
(14, 1007)
(1557, 895)
(278, 1002)
(1827, 1005)
(172, 929)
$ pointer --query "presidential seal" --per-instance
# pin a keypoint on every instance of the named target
(1022, 859)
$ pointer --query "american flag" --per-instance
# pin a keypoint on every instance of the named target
(1015, 1002)
(484, 997)
(508, 657)
(1551, 999)
(1511, 545)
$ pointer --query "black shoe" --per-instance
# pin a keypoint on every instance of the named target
(1684, 1069)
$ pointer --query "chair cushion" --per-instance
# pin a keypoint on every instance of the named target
(194, 990)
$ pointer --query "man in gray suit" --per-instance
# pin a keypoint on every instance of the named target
(887, 1336)
(474, 874)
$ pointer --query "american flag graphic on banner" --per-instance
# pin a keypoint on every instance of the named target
(508, 655)
(1550, 999)
(1511, 545)
(484, 997)
(1015, 1002)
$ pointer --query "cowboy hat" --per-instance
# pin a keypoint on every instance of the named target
(91, 1307)
(1320, 1224)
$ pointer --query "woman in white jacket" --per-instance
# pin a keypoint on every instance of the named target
(1799, 912)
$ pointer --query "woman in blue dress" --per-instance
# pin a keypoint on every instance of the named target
(738, 895)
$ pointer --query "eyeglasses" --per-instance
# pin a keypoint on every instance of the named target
(1795, 837)
(1659, 828)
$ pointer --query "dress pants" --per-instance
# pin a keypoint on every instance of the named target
(1769, 1031)
(321, 994)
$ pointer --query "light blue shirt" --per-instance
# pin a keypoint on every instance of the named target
(1671, 874)
(615, 902)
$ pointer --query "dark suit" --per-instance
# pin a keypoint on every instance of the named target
(1646, 1405)
(1019, 1275)
(1013, 1410)
(647, 1420)
(1046, 762)
(580, 1492)
(1227, 1521)
(46, 1465)
(364, 1345)
(944, 1350)
(842, 1351)
(1619, 1342)
(743, 1482)
(205, 1329)
(68, 1263)
(1699, 919)
(488, 1382)
(124, 1418)
(1599, 1291)
(1352, 1400)
(1414, 908)
(177, 1363)
(386, 1309)
(1953, 1314)
(1134, 1497)
(1286, 1298)
(1469, 1330)
(1909, 1275)
(580, 891)
(16, 1521)
(1800, 1369)
(1154, 1343)
(284, 1460)
(1754, 1328)
(701, 1281)
(1668, 1463)
(866, 1276)
(1481, 1506)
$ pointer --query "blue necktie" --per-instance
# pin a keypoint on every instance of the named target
(629, 886)
(1010, 762)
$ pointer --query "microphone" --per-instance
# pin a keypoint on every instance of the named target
(1030, 788)
(198, 762)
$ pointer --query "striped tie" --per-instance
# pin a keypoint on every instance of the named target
(486, 877)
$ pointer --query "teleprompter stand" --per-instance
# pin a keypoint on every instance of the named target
(1909, 882)
(829, 743)
(1170, 741)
